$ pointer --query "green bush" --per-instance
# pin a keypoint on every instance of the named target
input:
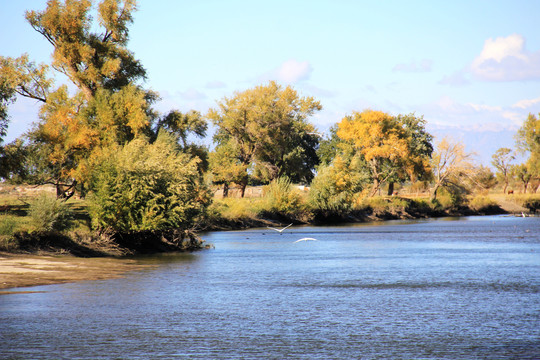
(332, 194)
(47, 213)
(451, 197)
(143, 186)
(7, 225)
(281, 197)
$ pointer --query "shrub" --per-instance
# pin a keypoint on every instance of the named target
(281, 197)
(451, 197)
(48, 213)
(334, 191)
(7, 225)
(143, 186)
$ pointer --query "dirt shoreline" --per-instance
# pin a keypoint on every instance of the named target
(20, 270)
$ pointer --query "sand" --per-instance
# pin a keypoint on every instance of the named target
(17, 271)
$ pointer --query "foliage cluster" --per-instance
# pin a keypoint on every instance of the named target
(147, 186)
(47, 213)
(281, 197)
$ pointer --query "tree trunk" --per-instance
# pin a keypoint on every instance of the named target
(505, 187)
(390, 188)
(243, 186)
(375, 188)
(434, 192)
(225, 190)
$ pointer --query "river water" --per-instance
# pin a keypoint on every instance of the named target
(466, 288)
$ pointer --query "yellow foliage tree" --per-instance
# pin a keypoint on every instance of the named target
(380, 139)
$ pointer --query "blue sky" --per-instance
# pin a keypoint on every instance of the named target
(471, 68)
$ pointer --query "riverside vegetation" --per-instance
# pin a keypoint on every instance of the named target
(143, 185)
(42, 223)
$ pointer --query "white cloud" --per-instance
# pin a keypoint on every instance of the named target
(506, 59)
(526, 103)
(290, 72)
(481, 107)
(413, 66)
(515, 117)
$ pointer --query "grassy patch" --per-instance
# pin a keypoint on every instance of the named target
(483, 204)
(235, 209)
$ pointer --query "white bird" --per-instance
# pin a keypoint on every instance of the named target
(279, 230)
(306, 239)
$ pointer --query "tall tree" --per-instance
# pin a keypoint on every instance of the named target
(91, 60)
(502, 160)
(109, 107)
(268, 128)
(449, 161)
(521, 172)
(391, 146)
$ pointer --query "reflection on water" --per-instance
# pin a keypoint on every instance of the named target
(460, 289)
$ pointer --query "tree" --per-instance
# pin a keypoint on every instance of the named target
(91, 60)
(420, 146)
(521, 172)
(393, 147)
(528, 140)
(109, 108)
(226, 168)
(502, 161)
(448, 162)
(183, 125)
(482, 177)
(268, 129)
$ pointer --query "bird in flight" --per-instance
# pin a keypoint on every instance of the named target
(279, 230)
(306, 239)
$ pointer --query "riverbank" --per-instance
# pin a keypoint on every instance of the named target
(24, 270)
(49, 258)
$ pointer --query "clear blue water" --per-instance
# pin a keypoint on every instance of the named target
(464, 288)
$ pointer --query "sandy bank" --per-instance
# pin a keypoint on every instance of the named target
(30, 270)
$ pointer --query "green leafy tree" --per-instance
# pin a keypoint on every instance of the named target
(267, 127)
(521, 172)
(225, 168)
(502, 160)
(147, 186)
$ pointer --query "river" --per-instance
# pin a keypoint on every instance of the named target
(454, 288)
